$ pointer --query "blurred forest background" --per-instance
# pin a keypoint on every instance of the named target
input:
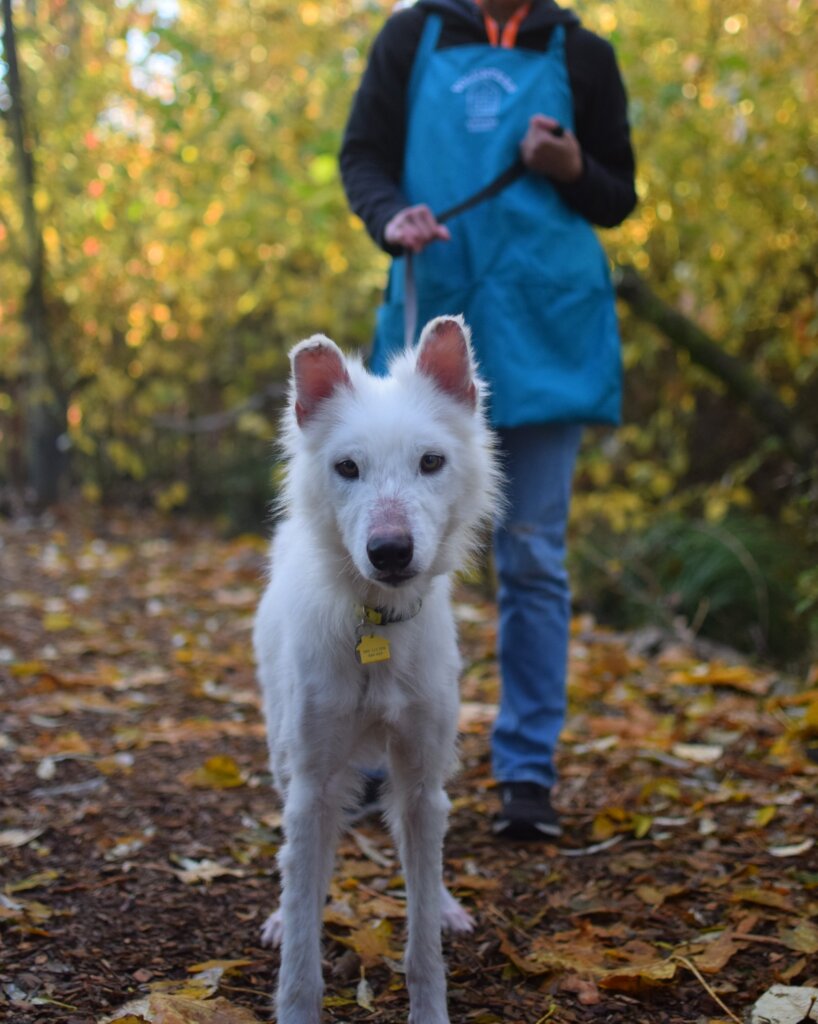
(171, 221)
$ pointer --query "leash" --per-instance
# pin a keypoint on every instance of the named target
(503, 180)
(494, 187)
(410, 300)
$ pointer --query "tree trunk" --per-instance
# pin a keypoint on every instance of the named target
(740, 381)
(45, 406)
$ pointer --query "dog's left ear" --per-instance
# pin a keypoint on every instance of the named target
(444, 354)
(318, 369)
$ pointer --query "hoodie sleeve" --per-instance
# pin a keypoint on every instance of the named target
(372, 151)
(605, 193)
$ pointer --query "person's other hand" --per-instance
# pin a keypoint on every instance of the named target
(414, 227)
(557, 156)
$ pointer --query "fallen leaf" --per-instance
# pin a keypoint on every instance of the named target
(201, 986)
(19, 836)
(594, 848)
(192, 871)
(736, 677)
(62, 745)
(598, 746)
(794, 969)
(339, 912)
(224, 965)
(522, 963)
(639, 979)
(382, 907)
(809, 723)
(718, 953)
(241, 597)
(133, 1010)
(174, 1009)
(585, 989)
(23, 913)
(36, 881)
(475, 716)
(28, 668)
(120, 762)
(764, 815)
(803, 938)
(764, 898)
(795, 850)
(371, 944)
(577, 951)
(219, 772)
(784, 1004)
(699, 753)
(364, 995)
(55, 622)
(46, 769)
(368, 849)
(145, 677)
(651, 895)
(707, 825)
(609, 822)
(126, 846)
(475, 883)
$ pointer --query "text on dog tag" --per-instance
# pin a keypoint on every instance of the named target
(371, 649)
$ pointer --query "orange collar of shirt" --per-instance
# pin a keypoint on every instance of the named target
(507, 36)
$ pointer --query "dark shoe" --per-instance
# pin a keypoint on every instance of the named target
(370, 802)
(526, 812)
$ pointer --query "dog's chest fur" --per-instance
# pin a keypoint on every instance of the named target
(423, 660)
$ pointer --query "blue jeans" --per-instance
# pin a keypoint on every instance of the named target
(534, 599)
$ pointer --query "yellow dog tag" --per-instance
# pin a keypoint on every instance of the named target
(371, 649)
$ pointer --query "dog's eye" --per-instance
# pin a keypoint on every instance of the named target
(347, 469)
(431, 463)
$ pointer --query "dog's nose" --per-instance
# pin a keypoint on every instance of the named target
(390, 552)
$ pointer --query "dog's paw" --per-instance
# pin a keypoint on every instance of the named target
(272, 929)
(455, 917)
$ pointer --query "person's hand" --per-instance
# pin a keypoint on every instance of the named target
(414, 227)
(557, 156)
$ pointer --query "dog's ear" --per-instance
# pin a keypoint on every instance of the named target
(318, 369)
(444, 354)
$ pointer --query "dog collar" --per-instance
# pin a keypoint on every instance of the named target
(370, 647)
(386, 616)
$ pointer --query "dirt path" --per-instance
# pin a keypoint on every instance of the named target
(138, 831)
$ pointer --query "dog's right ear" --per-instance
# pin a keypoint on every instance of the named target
(318, 369)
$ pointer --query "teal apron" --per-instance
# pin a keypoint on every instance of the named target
(526, 271)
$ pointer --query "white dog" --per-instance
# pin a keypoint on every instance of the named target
(388, 482)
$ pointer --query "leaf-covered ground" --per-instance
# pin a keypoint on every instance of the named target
(138, 829)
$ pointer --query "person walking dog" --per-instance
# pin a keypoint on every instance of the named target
(454, 93)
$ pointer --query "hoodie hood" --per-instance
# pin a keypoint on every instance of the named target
(543, 12)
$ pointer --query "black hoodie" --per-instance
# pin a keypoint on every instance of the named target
(373, 147)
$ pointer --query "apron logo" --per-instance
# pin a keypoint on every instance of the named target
(483, 91)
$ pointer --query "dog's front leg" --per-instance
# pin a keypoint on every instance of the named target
(310, 826)
(418, 816)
